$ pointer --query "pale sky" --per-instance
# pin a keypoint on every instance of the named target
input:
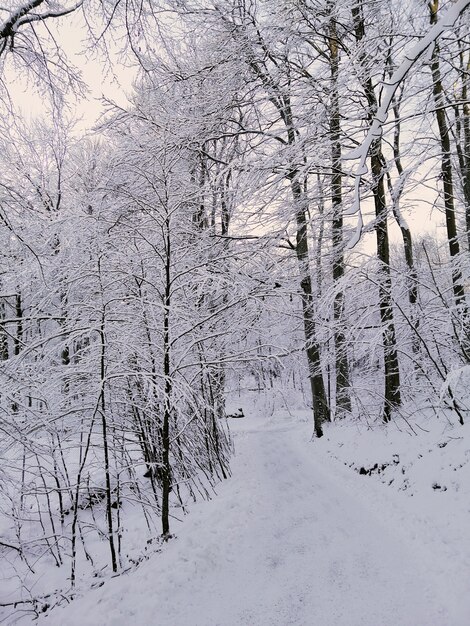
(114, 80)
(111, 80)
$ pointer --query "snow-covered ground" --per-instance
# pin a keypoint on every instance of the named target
(296, 537)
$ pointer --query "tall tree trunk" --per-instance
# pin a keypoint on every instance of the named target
(343, 398)
(396, 192)
(168, 389)
(4, 353)
(391, 366)
(404, 228)
(321, 411)
(280, 99)
(446, 169)
(392, 394)
(462, 126)
(18, 338)
(105, 434)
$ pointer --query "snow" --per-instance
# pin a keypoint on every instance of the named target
(420, 483)
(390, 87)
(293, 538)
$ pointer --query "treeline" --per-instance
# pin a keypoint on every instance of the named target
(204, 237)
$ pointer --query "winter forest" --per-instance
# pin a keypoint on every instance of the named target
(234, 314)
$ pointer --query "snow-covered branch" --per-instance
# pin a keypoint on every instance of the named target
(375, 131)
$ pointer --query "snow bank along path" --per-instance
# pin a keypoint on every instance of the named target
(283, 543)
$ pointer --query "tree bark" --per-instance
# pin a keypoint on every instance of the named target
(4, 354)
(321, 411)
(446, 168)
(343, 399)
(279, 96)
(104, 427)
(396, 192)
(462, 126)
(168, 389)
(392, 393)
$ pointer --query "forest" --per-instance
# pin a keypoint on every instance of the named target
(276, 217)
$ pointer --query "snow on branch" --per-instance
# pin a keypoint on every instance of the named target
(375, 130)
(24, 15)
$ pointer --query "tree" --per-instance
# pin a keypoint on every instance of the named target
(446, 167)
(392, 395)
(273, 71)
(343, 399)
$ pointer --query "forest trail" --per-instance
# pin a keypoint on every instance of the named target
(283, 543)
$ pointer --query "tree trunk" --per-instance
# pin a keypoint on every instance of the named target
(280, 99)
(167, 404)
(343, 399)
(446, 169)
(396, 192)
(462, 126)
(4, 354)
(321, 411)
(18, 338)
(392, 394)
(391, 366)
(104, 426)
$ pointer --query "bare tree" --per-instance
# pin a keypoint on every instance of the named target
(392, 395)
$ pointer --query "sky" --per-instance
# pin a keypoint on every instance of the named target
(113, 79)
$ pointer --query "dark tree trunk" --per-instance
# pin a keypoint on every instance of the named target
(343, 399)
(391, 366)
(4, 354)
(446, 169)
(104, 426)
(392, 394)
(279, 97)
(321, 411)
(462, 125)
(18, 338)
(396, 192)
(167, 405)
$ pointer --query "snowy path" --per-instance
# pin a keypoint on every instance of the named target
(283, 543)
